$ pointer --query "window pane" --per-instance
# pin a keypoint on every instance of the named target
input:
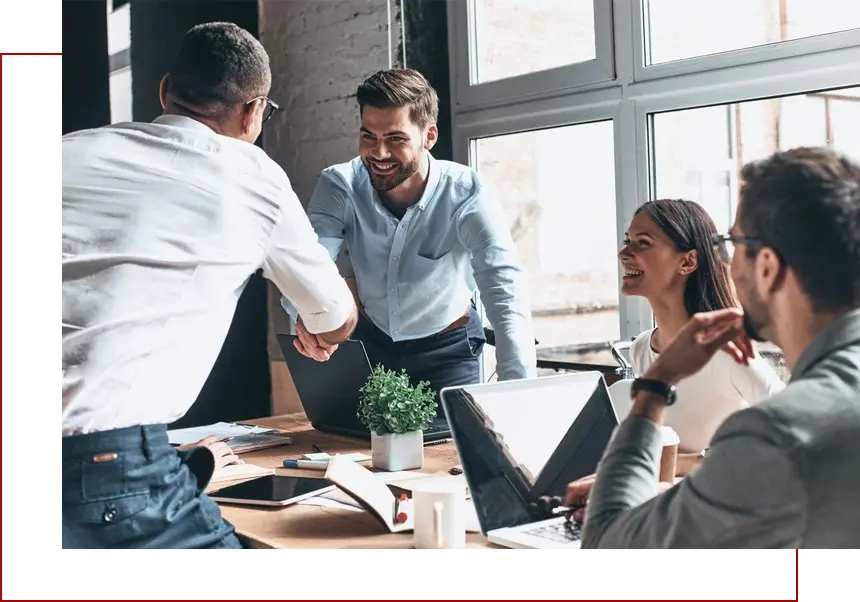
(699, 152)
(562, 216)
(119, 29)
(680, 29)
(515, 37)
(120, 95)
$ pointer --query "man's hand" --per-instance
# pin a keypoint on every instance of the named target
(577, 495)
(224, 455)
(579, 490)
(312, 346)
(698, 341)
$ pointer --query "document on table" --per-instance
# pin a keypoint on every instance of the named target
(221, 430)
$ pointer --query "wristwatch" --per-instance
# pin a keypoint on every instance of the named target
(656, 387)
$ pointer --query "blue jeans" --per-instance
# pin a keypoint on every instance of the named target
(447, 359)
(129, 488)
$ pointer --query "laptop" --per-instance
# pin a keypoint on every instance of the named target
(524, 439)
(329, 391)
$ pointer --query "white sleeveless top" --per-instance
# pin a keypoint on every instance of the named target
(708, 397)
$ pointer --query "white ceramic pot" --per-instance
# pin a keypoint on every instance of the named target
(401, 451)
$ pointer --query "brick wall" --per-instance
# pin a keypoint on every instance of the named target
(319, 50)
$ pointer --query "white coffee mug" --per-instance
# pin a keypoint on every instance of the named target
(440, 515)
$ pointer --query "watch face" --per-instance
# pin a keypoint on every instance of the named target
(671, 396)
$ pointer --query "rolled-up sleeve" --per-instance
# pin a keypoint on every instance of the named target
(746, 494)
(304, 272)
(501, 281)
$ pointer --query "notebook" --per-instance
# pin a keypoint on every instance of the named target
(240, 437)
(378, 493)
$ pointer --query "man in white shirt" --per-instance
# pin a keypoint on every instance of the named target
(163, 224)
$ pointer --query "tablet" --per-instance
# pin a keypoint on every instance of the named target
(272, 490)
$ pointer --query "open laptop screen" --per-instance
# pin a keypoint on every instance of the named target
(519, 440)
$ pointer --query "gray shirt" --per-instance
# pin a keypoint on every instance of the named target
(782, 474)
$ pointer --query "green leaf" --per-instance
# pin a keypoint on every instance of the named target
(390, 404)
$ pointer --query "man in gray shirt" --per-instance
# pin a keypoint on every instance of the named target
(786, 472)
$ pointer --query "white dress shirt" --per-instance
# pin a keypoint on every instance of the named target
(709, 396)
(163, 224)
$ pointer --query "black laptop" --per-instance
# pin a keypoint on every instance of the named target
(329, 391)
(524, 439)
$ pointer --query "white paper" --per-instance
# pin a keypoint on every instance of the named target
(359, 482)
(222, 430)
(328, 503)
(233, 472)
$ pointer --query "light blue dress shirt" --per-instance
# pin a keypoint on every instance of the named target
(417, 275)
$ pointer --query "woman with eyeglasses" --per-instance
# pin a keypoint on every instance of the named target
(669, 258)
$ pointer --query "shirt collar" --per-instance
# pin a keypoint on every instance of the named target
(840, 333)
(433, 176)
(180, 121)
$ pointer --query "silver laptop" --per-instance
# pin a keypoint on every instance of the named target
(524, 439)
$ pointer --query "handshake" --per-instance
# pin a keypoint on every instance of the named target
(313, 345)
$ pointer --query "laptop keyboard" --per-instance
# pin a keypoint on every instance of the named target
(561, 531)
(436, 428)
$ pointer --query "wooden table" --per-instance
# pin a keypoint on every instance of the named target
(306, 526)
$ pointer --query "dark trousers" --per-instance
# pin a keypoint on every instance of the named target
(444, 360)
(128, 488)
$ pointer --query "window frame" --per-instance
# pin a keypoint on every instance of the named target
(731, 58)
(463, 50)
(634, 94)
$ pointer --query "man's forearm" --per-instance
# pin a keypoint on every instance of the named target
(629, 470)
(515, 351)
(627, 477)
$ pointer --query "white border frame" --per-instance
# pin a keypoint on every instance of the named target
(536, 101)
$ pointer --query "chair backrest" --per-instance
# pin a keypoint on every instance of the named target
(619, 393)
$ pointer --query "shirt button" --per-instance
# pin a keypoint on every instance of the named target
(394, 313)
(110, 514)
(395, 258)
(391, 289)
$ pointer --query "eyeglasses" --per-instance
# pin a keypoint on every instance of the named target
(271, 106)
(725, 245)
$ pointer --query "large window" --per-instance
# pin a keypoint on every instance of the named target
(680, 29)
(514, 37)
(699, 152)
(557, 187)
(119, 58)
(580, 111)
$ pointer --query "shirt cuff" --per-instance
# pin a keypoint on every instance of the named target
(323, 321)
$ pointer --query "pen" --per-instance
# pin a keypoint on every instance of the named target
(567, 509)
(309, 464)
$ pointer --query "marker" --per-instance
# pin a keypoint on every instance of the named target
(307, 464)
(404, 508)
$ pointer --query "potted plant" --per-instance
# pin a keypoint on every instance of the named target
(396, 414)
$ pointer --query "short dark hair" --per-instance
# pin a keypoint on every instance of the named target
(689, 227)
(400, 88)
(804, 203)
(218, 66)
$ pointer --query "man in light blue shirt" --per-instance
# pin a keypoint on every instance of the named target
(422, 234)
